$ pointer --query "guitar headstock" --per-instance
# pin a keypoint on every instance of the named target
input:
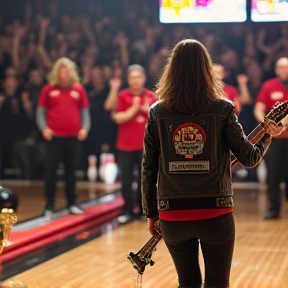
(278, 114)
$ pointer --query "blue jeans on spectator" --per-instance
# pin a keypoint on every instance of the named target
(216, 237)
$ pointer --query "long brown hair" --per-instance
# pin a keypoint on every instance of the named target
(53, 76)
(187, 83)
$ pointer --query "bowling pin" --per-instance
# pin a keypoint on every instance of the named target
(110, 173)
(92, 169)
(110, 170)
(103, 162)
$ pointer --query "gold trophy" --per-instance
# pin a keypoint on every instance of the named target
(7, 219)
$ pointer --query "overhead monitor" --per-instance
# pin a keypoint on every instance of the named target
(202, 11)
(269, 10)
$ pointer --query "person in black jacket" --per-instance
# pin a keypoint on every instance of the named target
(186, 166)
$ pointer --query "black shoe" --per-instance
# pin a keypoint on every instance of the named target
(272, 215)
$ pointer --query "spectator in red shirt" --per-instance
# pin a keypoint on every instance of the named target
(131, 114)
(63, 117)
(272, 92)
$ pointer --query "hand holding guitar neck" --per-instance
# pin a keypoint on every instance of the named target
(143, 256)
(272, 129)
(274, 123)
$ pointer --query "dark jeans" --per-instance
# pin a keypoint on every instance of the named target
(277, 162)
(216, 237)
(127, 161)
(61, 149)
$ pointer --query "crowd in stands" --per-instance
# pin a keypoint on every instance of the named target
(103, 38)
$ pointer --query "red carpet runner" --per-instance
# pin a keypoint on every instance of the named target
(26, 241)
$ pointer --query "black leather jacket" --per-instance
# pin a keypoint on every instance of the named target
(187, 159)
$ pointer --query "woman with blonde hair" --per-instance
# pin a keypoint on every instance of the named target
(186, 170)
(64, 120)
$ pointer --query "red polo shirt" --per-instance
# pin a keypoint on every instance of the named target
(131, 133)
(64, 108)
(272, 93)
(230, 92)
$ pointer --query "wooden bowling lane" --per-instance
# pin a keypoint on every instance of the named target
(102, 263)
(260, 258)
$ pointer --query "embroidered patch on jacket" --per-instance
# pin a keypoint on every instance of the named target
(189, 139)
(189, 166)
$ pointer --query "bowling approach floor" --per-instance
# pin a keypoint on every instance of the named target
(95, 256)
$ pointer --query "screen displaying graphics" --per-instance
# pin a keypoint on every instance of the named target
(202, 11)
(269, 10)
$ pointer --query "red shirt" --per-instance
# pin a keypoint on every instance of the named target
(193, 214)
(131, 133)
(231, 93)
(271, 93)
(64, 108)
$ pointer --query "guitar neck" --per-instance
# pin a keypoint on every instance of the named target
(254, 137)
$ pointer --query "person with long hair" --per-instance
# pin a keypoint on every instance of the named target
(186, 166)
(63, 117)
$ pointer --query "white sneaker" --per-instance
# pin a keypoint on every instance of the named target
(75, 210)
(124, 219)
(47, 214)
